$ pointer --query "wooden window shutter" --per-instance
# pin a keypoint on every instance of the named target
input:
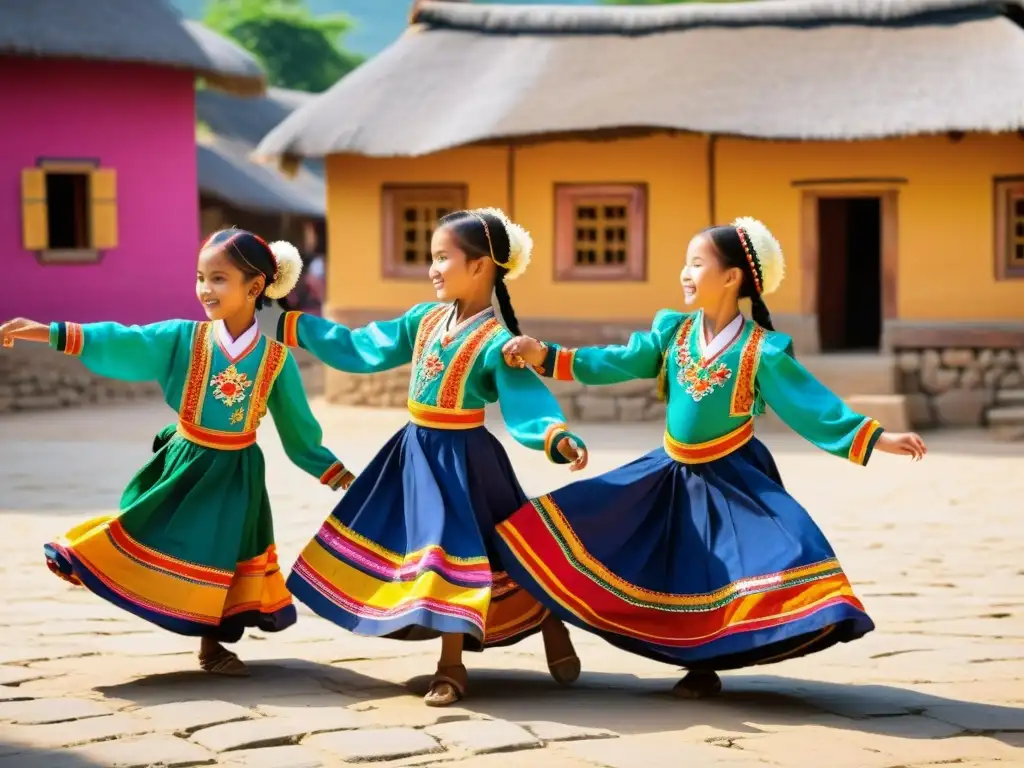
(35, 230)
(103, 208)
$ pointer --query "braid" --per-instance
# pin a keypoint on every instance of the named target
(508, 315)
(732, 244)
(759, 312)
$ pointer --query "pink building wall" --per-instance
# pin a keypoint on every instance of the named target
(137, 120)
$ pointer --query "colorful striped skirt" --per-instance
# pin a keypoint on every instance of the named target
(408, 554)
(192, 549)
(709, 566)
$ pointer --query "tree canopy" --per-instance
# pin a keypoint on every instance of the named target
(297, 50)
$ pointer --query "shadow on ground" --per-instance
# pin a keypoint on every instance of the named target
(31, 757)
(623, 703)
(750, 704)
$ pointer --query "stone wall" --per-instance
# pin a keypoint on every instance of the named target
(954, 386)
(629, 401)
(34, 377)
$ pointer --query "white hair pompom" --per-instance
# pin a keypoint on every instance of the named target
(289, 268)
(520, 244)
(768, 250)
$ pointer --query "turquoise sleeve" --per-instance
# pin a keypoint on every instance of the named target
(639, 358)
(530, 411)
(377, 347)
(129, 353)
(809, 408)
(298, 428)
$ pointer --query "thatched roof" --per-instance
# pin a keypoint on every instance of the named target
(776, 69)
(227, 172)
(139, 31)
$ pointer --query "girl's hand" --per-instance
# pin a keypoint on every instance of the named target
(347, 478)
(902, 444)
(27, 330)
(575, 453)
(524, 350)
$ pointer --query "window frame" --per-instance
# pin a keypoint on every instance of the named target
(1006, 190)
(634, 269)
(94, 170)
(392, 197)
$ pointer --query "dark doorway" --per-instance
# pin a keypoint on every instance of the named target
(849, 273)
(67, 203)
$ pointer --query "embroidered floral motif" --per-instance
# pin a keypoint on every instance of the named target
(229, 386)
(698, 377)
(429, 369)
(237, 416)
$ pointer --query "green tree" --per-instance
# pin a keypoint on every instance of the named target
(298, 50)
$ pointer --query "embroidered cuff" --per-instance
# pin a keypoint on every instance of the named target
(552, 436)
(560, 363)
(67, 338)
(288, 329)
(334, 475)
(864, 441)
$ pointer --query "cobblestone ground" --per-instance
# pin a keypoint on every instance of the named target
(934, 550)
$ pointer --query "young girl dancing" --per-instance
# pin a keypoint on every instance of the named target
(192, 549)
(407, 554)
(695, 554)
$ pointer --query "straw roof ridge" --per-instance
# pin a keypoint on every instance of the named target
(882, 69)
(137, 31)
(226, 170)
(650, 19)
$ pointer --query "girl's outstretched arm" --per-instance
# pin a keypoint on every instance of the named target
(817, 414)
(376, 347)
(129, 353)
(533, 416)
(300, 432)
(639, 358)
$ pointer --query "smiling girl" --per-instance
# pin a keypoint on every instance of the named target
(695, 554)
(192, 548)
(407, 554)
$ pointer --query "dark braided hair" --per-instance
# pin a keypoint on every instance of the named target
(472, 237)
(736, 250)
(250, 253)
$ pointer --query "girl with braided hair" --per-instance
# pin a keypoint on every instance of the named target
(408, 554)
(695, 554)
(192, 546)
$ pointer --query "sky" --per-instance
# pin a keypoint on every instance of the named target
(378, 22)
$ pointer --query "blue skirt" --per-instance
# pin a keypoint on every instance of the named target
(709, 566)
(408, 552)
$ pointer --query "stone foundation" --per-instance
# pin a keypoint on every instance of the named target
(34, 377)
(630, 401)
(954, 387)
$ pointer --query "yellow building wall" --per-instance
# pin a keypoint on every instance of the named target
(945, 230)
(354, 184)
(946, 215)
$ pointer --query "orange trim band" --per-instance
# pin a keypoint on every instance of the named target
(333, 475)
(702, 453)
(75, 339)
(563, 364)
(445, 418)
(215, 438)
(290, 329)
(862, 440)
(549, 438)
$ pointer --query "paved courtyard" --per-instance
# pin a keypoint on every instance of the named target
(934, 550)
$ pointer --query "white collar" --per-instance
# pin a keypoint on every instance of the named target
(451, 333)
(235, 347)
(722, 339)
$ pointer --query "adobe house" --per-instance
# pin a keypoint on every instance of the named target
(872, 138)
(234, 190)
(98, 203)
(99, 210)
